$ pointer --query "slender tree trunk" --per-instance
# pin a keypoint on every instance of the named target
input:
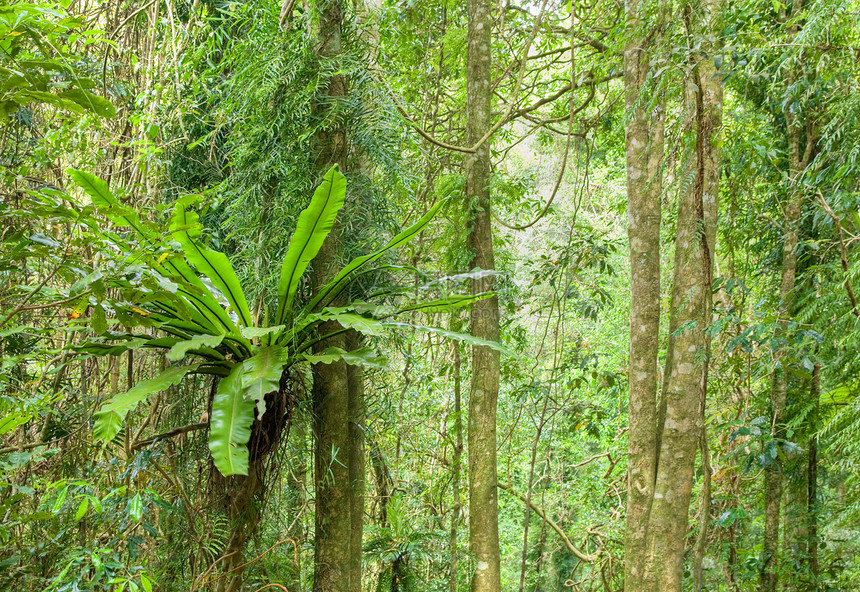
(456, 465)
(355, 380)
(527, 512)
(296, 502)
(644, 151)
(812, 483)
(333, 518)
(243, 515)
(773, 482)
(333, 542)
(483, 395)
(682, 422)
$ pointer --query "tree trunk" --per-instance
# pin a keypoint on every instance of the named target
(296, 501)
(681, 420)
(243, 514)
(812, 483)
(333, 520)
(779, 387)
(483, 395)
(333, 541)
(355, 381)
(456, 462)
(644, 152)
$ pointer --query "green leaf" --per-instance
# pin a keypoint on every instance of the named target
(13, 419)
(96, 503)
(362, 324)
(41, 239)
(360, 357)
(135, 507)
(88, 100)
(208, 311)
(230, 425)
(841, 395)
(254, 332)
(314, 225)
(109, 349)
(178, 351)
(82, 509)
(464, 337)
(107, 204)
(448, 304)
(99, 322)
(61, 499)
(146, 583)
(331, 290)
(262, 374)
(213, 264)
(84, 283)
(108, 420)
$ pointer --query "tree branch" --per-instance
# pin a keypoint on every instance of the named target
(174, 432)
(537, 510)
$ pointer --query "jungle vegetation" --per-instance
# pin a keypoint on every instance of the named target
(429, 295)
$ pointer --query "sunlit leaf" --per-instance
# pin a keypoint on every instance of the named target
(314, 224)
(262, 374)
(230, 425)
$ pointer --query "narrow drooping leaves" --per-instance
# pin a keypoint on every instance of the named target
(447, 304)
(230, 425)
(110, 417)
(314, 225)
(109, 349)
(262, 374)
(212, 264)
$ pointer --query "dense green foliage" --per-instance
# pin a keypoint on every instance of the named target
(161, 209)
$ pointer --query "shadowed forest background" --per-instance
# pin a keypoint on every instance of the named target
(429, 295)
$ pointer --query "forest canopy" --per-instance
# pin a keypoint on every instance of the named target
(429, 296)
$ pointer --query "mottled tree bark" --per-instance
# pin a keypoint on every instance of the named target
(333, 542)
(333, 519)
(687, 349)
(243, 514)
(483, 395)
(644, 151)
(680, 420)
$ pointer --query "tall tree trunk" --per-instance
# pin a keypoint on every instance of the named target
(644, 152)
(295, 487)
(333, 542)
(456, 463)
(779, 387)
(333, 519)
(243, 514)
(681, 418)
(812, 483)
(483, 395)
(355, 381)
